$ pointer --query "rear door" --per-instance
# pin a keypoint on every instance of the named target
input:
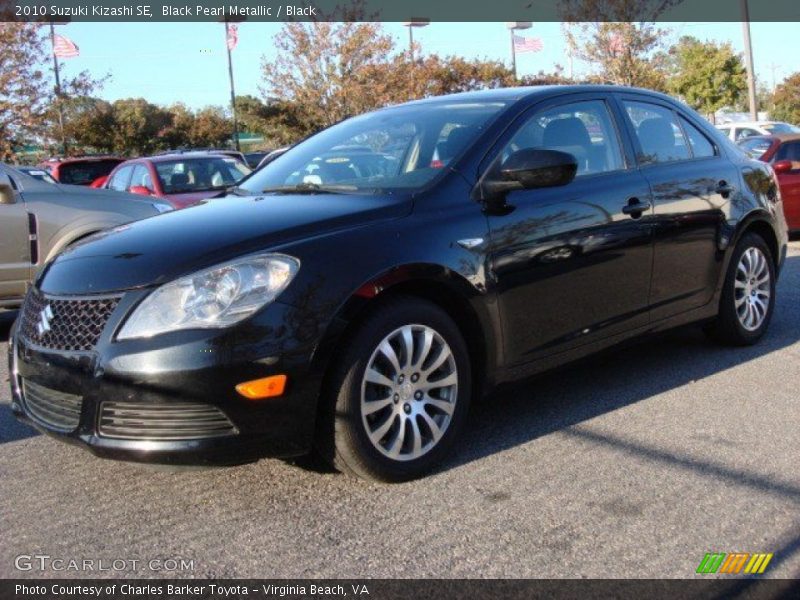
(692, 183)
(15, 259)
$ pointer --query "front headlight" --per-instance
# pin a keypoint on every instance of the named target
(214, 298)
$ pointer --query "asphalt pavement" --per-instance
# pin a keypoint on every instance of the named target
(631, 464)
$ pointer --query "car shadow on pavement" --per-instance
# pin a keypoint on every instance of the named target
(11, 429)
(560, 400)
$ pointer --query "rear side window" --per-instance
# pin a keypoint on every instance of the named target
(120, 179)
(700, 145)
(789, 151)
(755, 147)
(660, 138)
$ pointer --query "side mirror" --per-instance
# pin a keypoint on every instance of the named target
(7, 194)
(140, 190)
(529, 168)
(782, 166)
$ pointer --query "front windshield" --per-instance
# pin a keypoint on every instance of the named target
(400, 148)
(781, 128)
(199, 174)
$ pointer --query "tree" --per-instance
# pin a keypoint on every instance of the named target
(621, 53)
(88, 123)
(276, 120)
(139, 127)
(708, 76)
(23, 84)
(211, 128)
(326, 70)
(787, 100)
(27, 94)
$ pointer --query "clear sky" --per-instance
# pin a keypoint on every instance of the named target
(171, 62)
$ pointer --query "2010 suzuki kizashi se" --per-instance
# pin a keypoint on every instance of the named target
(355, 294)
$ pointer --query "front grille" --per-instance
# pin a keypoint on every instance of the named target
(162, 422)
(52, 408)
(63, 323)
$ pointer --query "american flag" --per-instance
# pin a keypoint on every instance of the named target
(526, 44)
(233, 35)
(64, 47)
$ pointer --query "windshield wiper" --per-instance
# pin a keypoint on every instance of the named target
(309, 188)
(238, 191)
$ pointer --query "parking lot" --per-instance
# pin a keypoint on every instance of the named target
(634, 463)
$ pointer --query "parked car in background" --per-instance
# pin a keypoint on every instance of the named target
(231, 153)
(39, 219)
(181, 179)
(36, 173)
(782, 151)
(254, 158)
(358, 313)
(738, 131)
(83, 170)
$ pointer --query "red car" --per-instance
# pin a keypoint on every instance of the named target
(81, 170)
(180, 179)
(782, 151)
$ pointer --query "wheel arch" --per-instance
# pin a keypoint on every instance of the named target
(450, 291)
(760, 224)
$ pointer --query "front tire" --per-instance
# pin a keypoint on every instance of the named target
(399, 394)
(748, 296)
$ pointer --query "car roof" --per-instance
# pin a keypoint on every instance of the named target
(182, 155)
(514, 94)
(72, 159)
(781, 137)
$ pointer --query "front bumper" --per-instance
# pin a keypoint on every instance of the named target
(187, 368)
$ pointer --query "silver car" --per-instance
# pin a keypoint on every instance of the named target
(38, 220)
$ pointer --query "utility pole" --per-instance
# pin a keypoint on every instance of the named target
(233, 91)
(748, 57)
(59, 107)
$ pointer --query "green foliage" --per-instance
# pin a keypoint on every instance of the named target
(708, 76)
(787, 100)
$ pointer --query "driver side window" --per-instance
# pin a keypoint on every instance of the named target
(583, 129)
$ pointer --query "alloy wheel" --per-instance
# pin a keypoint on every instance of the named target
(752, 289)
(409, 392)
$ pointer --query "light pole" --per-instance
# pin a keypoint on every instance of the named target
(414, 22)
(231, 39)
(512, 27)
(748, 60)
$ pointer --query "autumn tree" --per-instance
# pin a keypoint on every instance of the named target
(277, 121)
(139, 126)
(327, 70)
(786, 100)
(89, 123)
(27, 93)
(708, 76)
(23, 84)
(210, 128)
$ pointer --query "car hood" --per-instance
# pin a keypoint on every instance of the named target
(189, 198)
(160, 249)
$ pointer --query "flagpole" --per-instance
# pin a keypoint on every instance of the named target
(513, 55)
(233, 92)
(59, 107)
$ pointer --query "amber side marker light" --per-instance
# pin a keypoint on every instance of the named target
(267, 387)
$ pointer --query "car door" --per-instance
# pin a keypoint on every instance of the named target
(790, 182)
(572, 264)
(15, 258)
(692, 183)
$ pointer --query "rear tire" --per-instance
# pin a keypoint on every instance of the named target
(398, 395)
(748, 295)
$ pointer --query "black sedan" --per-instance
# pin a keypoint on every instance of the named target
(356, 293)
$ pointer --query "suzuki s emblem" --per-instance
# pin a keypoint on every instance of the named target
(45, 316)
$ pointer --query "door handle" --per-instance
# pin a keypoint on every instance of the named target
(636, 207)
(723, 189)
